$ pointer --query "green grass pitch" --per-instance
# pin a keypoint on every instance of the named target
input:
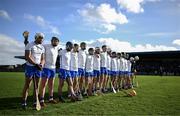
(155, 96)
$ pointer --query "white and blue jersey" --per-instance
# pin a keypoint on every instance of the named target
(89, 66)
(96, 65)
(103, 56)
(51, 54)
(114, 68)
(81, 62)
(108, 65)
(129, 64)
(65, 60)
(118, 66)
(36, 51)
(121, 66)
(125, 66)
(74, 64)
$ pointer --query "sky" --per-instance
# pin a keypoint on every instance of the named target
(123, 25)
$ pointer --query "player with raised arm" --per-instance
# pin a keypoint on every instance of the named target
(34, 55)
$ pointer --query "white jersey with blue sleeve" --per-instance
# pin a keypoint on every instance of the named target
(65, 59)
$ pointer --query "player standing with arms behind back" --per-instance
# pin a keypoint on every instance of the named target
(96, 68)
(81, 65)
(49, 70)
(103, 77)
(74, 70)
(64, 72)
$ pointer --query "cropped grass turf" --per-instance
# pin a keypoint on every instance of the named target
(155, 96)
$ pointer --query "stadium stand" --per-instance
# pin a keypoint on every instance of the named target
(158, 63)
(150, 63)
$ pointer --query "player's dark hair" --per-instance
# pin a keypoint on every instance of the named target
(69, 44)
(119, 54)
(104, 46)
(90, 49)
(76, 45)
(113, 53)
(55, 38)
(82, 43)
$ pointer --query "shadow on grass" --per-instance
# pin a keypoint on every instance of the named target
(15, 102)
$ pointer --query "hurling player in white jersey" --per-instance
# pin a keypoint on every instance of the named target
(49, 70)
(34, 55)
(81, 65)
(114, 69)
(118, 74)
(129, 64)
(132, 70)
(103, 77)
(96, 70)
(64, 72)
(121, 60)
(89, 72)
(123, 70)
(108, 66)
(126, 71)
(74, 68)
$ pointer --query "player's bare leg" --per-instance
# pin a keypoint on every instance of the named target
(70, 86)
(25, 90)
(101, 81)
(90, 83)
(51, 90)
(61, 84)
(37, 79)
(42, 90)
(81, 82)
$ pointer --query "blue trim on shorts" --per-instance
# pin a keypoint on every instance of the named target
(104, 70)
(96, 73)
(81, 72)
(121, 73)
(126, 72)
(108, 72)
(114, 73)
(31, 71)
(63, 74)
(74, 74)
(89, 74)
(49, 73)
(129, 73)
